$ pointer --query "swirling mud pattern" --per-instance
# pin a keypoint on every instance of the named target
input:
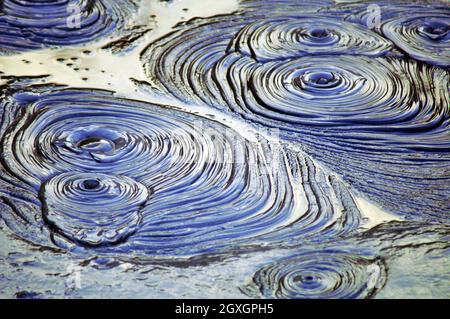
(353, 97)
(326, 274)
(422, 32)
(252, 148)
(111, 171)
(30, 24)
(301, 36)
(93, 211)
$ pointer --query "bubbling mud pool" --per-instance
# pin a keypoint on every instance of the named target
(262, 149)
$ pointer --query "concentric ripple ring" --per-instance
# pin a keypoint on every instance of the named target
(326, 274)
(296, 36)
(421, 31)
(94, 211)
(425, 37)
(30, 24)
